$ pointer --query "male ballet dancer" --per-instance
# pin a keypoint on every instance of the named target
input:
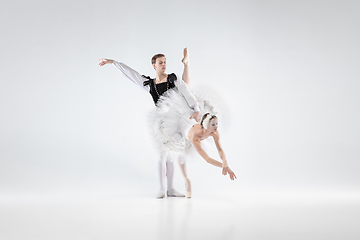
(156, 87)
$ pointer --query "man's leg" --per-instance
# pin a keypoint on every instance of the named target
(162, 173)
(171, 192)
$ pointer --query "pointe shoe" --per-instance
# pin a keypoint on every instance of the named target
(187, 188)
(185, 60)
(174, 193)
(161, 194)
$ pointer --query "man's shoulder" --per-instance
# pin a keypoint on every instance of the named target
(172, 77)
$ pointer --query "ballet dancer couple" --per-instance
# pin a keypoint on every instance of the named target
(172, 121)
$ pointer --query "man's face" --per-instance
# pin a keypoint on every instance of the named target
(160, 64)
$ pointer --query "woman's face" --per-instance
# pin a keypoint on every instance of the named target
(213, 125)
(160, 64)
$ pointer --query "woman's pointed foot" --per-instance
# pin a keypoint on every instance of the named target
(185, 60)
(187, 188)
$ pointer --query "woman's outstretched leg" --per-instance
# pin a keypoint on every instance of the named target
(186, 72)
(183, 170)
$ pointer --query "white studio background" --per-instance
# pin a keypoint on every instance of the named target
(286, 73)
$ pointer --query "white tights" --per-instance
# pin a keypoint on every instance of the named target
(166, 169)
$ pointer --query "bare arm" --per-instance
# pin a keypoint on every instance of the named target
(221, 152)
(197, 144)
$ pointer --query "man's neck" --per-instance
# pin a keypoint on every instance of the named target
(160, 76)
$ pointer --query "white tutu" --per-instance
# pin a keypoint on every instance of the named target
(170, 124)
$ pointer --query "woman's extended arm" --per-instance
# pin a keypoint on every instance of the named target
(197, 144)
(221, 152)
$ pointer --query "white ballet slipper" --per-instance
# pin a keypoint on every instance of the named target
(161, 194)
(174, 193)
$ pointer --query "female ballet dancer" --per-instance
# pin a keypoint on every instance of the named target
(157, 87)
(175, 134)
(207, 128)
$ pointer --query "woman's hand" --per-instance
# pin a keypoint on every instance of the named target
(104, 61)
(231, 174)
(225, 168)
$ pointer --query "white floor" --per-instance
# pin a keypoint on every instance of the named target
(248, 215)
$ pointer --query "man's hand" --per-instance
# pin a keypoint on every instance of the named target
(103, 61)
(196, 116)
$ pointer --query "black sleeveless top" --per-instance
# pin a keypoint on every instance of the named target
(161, 87)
